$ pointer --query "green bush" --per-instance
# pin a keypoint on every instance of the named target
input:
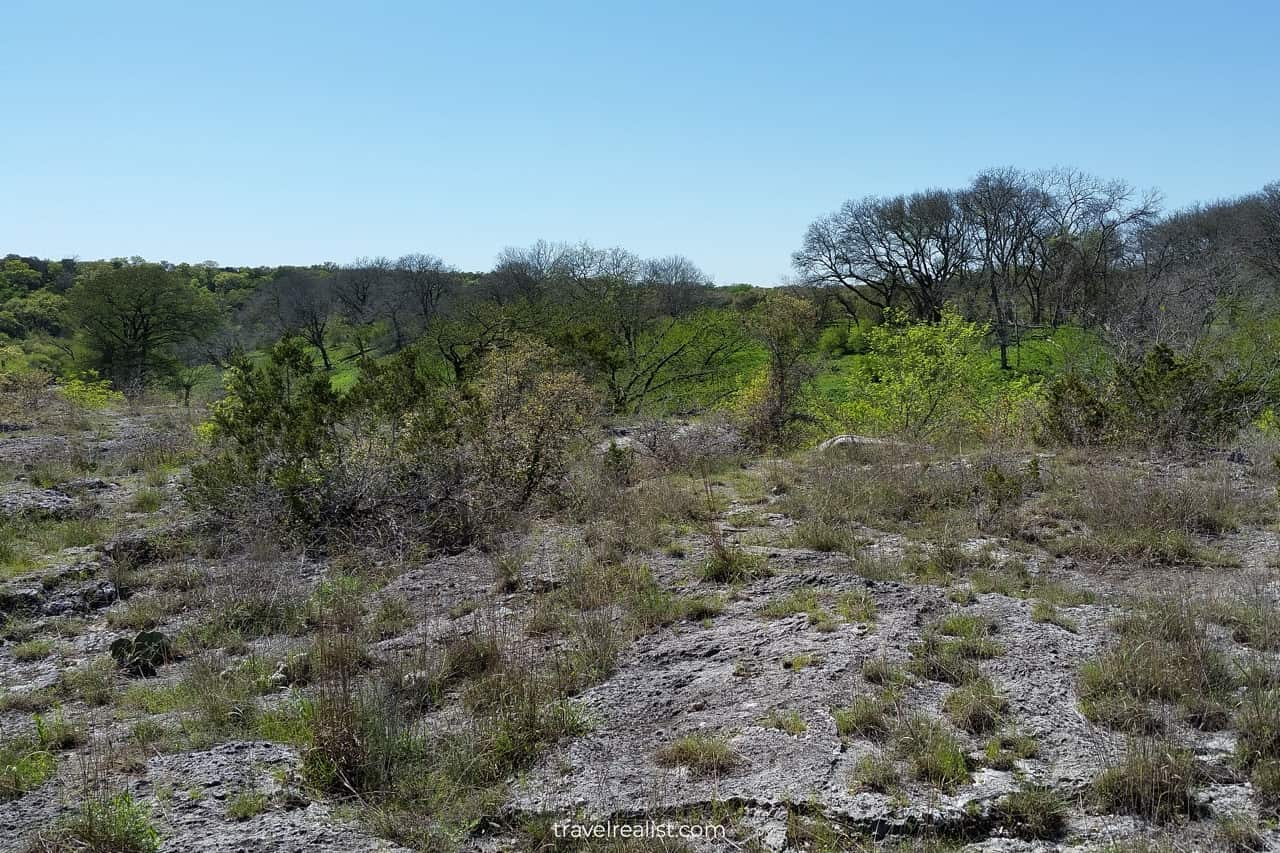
(442, 461)
(932, 380)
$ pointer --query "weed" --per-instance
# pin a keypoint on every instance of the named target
(703, 755)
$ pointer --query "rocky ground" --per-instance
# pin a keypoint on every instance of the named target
(796, 673)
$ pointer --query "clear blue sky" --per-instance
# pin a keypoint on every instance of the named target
(295, 132)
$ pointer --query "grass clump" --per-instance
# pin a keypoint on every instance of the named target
(856, 606)
(790, 721)
(106, 824)
(702, 755)
(729, 564)
(817, 534)
(866, 716)
(1240, 833)
(1162, 654)
(147, 499)
(33, 650)
(935, 659)
(1034, 813)
(1251, 617)
(883, 672)
(1046, 613)
(875, 773)
(933, 753)
(246, 804)
(24, 766)
(1003, 751)
(804, 600)
(1155, 780)
(976, 707)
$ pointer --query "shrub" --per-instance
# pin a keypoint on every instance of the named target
(924, 380)
(400, 453)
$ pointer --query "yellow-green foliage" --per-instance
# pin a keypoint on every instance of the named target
(88, 392)
(929, 380)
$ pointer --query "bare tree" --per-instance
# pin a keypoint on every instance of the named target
(910, 247)
(678, 283)
(301, 302)
(425, 280)
(1011, 218)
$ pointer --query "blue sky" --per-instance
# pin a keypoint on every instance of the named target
(296, 132)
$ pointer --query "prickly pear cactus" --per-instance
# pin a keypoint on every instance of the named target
(143, 654)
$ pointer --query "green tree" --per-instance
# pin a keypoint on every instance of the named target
(133, 316)
(786, 326)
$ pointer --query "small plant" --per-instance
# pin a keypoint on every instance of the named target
(143, 654)
(791, 722)
(33, 650)
(246, 804)
(703, 755)
(976, 707)
(1155, 780)
(109, 824)
(932, 751)
(1034, 813)
(875, 773)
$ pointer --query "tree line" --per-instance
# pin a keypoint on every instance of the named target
(1023, 253)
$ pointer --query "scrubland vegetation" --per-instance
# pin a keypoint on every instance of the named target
(970, 537)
